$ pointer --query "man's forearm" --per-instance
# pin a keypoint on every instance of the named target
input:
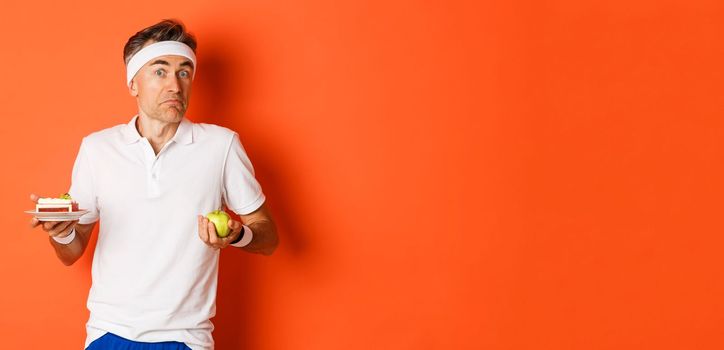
(264, 239)
(71, 252)
(68, 253)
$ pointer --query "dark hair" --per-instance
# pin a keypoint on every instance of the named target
(168, 29)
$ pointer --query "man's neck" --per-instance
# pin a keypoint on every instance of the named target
(157, 132)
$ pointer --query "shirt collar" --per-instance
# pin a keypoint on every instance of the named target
(183, 133)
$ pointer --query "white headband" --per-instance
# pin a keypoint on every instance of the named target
(161, 48)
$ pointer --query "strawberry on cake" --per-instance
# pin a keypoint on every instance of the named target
(63, 203)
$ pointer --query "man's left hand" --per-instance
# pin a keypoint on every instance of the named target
(207, 233)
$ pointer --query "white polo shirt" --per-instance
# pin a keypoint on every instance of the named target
(153, 278)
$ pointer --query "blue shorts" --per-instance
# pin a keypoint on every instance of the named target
(114, 342)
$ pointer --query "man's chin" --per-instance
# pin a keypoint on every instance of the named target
(174, 114)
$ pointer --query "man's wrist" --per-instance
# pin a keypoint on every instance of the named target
(67, 239)
(238, 238)
(244, 237)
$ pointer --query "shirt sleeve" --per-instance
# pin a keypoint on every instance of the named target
(81, 188)
(242, 192)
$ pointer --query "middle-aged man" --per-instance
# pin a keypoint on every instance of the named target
(149, 182)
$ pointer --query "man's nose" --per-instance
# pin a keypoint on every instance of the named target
(173, 84)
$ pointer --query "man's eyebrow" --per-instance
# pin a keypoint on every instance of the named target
(185, 63)
(160, 62)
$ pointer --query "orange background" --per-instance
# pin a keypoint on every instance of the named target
(444, 174)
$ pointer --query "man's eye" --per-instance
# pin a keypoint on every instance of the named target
(184, 74)
(159, 72)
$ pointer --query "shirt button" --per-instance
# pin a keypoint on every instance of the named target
(153, 176)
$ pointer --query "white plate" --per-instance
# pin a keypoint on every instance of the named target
(57, 215)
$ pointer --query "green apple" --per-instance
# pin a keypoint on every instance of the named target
(221, 221)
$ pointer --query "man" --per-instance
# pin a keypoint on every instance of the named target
(149, 182)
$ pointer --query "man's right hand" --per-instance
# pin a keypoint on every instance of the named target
(57, 229)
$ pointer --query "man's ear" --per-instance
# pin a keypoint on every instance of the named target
(133, 89)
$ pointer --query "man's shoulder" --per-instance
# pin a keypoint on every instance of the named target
(205, 131)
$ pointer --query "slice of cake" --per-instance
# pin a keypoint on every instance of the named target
(61, 204)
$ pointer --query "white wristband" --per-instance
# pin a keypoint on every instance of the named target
(246, 239)
(67, 239)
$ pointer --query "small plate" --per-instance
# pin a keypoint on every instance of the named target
(57, 215)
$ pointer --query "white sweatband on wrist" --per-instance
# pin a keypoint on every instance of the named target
(246, 239)
(161, 48)
(67, 239)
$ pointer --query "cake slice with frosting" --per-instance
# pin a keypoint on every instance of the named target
(63, 203)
